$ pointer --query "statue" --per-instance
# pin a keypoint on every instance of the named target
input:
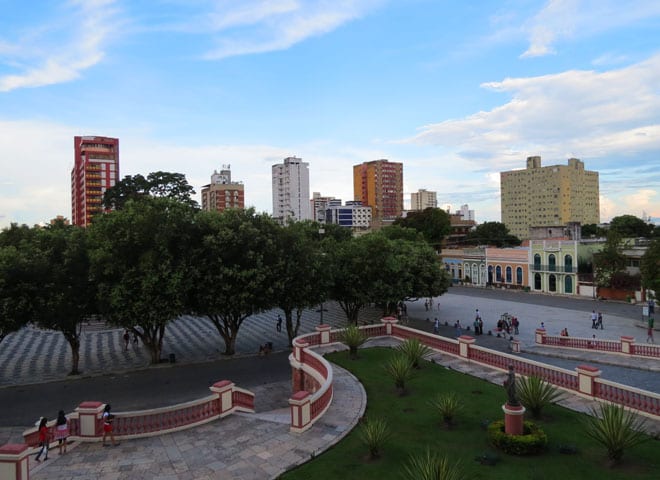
(510, 385)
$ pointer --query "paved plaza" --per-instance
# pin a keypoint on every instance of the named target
(250, 446)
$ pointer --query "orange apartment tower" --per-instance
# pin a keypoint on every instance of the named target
(95, 169)
(379, 184)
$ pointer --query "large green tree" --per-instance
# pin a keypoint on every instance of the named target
(650, 267)
(302, 276)
(631, 226)
(236, 262)
(157, 184)
(141, 262)
(66, 295)
(433, 223)
(610, 260)
(18, 286)
(492, 233)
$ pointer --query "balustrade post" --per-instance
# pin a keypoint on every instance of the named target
(587, 378)
(14, 461)
(89, 414)
(464, 342)
(224, 390)
(324, 333)
(301, 415)
(515, 346)
(539, 336)
(627, 344)
(388, 321)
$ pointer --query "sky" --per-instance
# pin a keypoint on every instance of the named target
(456, 91)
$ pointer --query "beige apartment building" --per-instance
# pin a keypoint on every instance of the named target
(543, 196)
(423, 199)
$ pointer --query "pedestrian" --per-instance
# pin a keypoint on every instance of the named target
(542, 326)
(426, 305)
(649, 334)
(127, 337)
(43, 439)
(599, 323)
(481, 326)
(476, 326)
(436, 326)
(438, 306)
(594, 319)
(457, 326)
(279, 323)
(135, 338)
(108, 420)
(516, 324)
(61, 431)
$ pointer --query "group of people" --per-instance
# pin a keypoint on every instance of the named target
(564, 332)
(61, 432)
(127, 339)
(478, 324)
(428, 304)
(596, 320)
(508, 326)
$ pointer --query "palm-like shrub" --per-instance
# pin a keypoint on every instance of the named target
(615, 429)
(415, 351)
(374, 433)
(535, 393)
(431, 466)
(353, 337)
(448, 406)
(401, 371)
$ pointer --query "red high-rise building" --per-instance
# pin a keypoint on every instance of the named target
(95, 169)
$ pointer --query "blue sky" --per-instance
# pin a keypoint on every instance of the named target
(457, 91)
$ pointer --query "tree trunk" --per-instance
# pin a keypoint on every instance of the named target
(74, 343)
(227, 327)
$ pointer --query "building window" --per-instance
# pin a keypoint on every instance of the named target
(498, 274)
(552, 283)
(537, 281)
(568, 264)
(552, 262)
(537, 262)
(519, 276)
(508, 274)
(568, 284)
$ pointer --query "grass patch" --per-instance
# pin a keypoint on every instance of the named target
(414, 428)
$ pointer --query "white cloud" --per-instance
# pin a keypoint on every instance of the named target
(259, 26)
(561, 20)
(40, 60)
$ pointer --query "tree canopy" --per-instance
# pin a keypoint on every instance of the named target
(492, 233)
(157, 184)
(433, 223)
(631, 226)
(650, 267)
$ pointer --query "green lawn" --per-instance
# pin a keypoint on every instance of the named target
(415, 426)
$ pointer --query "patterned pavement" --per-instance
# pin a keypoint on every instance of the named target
(33, 356)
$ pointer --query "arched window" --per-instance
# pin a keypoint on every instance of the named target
(552, 283)
(552, 262)
(460, 272)
(568, 264)
(537, 281)
(508, 274)
(490, 274)
(519, 278)
(537, 262)
(498, 274)
(475, 273)
(568, 284)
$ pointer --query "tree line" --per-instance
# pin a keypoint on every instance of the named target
(156, 258)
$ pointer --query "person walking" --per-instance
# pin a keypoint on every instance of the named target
(436, 326)
(599, 322)
(61, 431)
(515, 324)
(649, 333)
(594, 319)
(127, 338)
(43, 439)
(108, 419)
(457, 326)
(279, 323)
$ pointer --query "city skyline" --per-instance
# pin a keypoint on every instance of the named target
(457, 93)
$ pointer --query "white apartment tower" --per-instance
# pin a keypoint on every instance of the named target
(291, 190)
(423, 199)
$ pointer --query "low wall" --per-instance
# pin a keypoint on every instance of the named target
(625, 345)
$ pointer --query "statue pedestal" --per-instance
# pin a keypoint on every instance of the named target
(513, 419)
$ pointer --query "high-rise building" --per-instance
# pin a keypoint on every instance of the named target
(318, 205)
(95, 169)
(291, 190)
(548, 196)
(423, 199)
(353, 215)
(379, 185)
(222, 193)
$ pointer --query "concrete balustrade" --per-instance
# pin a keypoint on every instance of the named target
(14, 462)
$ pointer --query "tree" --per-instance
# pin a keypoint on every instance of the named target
(631, 226)
(157, 184)
(236, 264)
(302, 278)
(18, 286)
(66, 295)
(142, 265)
(592, 230)
(492, 233)
(609, 260)
(650, 267)
(432, 223)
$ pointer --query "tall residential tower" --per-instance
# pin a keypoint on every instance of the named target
(379, 185)
(95, 169)
(548, 196)
(291, 190)
(222, 193)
